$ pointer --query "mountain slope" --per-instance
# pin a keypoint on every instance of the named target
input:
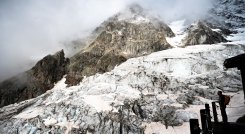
(35, 81)
(128, 34)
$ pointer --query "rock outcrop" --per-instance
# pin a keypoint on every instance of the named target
(200, 33)
(129, 34)
(51, 68)
(35, 81)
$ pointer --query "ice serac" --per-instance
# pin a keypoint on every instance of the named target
(35, 81)
(200, 33)
(166, 88)
(128, 34)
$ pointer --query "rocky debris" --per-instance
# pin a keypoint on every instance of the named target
(34, 82)
(123, 36)
(200, 33)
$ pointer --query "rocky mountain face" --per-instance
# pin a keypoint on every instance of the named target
(128, 34)
(34, 82)
(51, 68)
(200, 33)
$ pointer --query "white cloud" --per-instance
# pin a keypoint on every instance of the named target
(31, 29)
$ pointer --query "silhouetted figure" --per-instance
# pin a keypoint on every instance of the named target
(239, 62)
(222, 106)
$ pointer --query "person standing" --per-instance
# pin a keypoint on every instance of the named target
(222, 106)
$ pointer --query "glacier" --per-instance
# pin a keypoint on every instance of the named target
(174, 82)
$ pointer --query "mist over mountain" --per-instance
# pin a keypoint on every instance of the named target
(128, 34)
(32, 29)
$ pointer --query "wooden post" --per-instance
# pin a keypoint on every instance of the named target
(194, 126)
(214, 112)
(203, 121)
(208, 118)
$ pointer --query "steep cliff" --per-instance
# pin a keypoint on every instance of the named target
(35, 81)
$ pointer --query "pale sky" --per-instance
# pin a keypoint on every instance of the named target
(31, 29)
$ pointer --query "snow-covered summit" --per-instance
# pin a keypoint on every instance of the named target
(134, 14)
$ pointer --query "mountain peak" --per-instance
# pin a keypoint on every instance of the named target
(135, 8)
(134, 13)
(130, 33)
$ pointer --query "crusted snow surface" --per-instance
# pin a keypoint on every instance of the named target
(162, 90)
(236, 107)
(158, 128)
(238, 38)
